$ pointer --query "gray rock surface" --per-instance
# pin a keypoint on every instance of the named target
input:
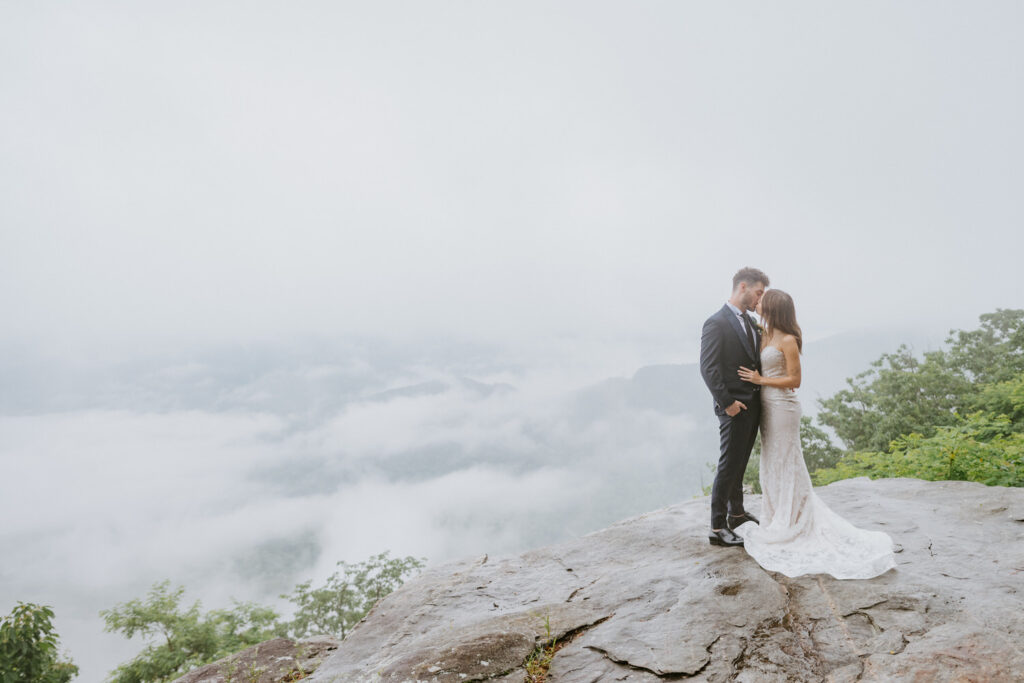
(274, 661)
(649, 599)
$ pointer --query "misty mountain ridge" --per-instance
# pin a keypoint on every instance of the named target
(316, 378)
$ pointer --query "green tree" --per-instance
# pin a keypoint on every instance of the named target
(182, 639)
(986, 446)
(1003, 399)
(956, 414)
(900, 394)
(28, 647)
(903, 394)
(348, 595)
(992, 353)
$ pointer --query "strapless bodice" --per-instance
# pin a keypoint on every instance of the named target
(773, 362)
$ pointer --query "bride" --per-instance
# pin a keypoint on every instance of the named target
(798, 534)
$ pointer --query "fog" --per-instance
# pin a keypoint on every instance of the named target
(240, 471)
(283, 285)
(244, 498)
(499, 171)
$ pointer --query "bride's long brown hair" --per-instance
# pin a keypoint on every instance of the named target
(779, 314)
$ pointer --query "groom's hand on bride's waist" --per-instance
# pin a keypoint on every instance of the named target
(735, 408)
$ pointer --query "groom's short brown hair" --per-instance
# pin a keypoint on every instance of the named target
(750, 276)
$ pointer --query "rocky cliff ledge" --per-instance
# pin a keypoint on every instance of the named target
(649, 599)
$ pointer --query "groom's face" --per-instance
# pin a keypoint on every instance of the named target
(751, 296)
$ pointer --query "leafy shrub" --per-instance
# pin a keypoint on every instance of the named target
(183, 639)
(28, 647)
(348, 595)
(983, 448)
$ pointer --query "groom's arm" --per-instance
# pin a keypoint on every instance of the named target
(710, 366)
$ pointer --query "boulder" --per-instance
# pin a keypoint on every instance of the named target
(649, 599)
(275, 661)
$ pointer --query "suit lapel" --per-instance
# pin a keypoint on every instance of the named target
(738, 327)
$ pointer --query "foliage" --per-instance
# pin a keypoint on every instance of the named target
(982, 447)
(348, 595)
(245, 624)
(992, 353)
(28, 647)
(1004, 399)
(186, 638)
(986, 445)
(902, 394)
(181, 639)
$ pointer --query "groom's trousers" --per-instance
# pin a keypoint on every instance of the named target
(737, 440)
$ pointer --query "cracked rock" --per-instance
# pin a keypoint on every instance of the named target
(272, 661)
(648, 599)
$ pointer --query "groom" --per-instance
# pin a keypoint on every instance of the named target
(730, 339)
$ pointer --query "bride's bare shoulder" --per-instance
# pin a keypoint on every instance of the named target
(788, 340)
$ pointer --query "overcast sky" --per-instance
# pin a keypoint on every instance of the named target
(212, 213)
(504, 171)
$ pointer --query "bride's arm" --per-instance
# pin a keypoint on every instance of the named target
(790, 381)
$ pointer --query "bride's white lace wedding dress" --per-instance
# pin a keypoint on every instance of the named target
(799, 534)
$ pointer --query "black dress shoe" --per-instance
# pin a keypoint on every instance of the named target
(734, 522)
(724, 537)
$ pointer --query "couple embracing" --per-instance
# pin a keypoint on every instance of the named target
(753, 372)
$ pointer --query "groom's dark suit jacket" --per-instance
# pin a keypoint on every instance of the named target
(724, 347)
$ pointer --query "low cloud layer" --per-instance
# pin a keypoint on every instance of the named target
(247, 495)
(241, 472)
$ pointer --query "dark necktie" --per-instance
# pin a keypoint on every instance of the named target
(750, 333)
